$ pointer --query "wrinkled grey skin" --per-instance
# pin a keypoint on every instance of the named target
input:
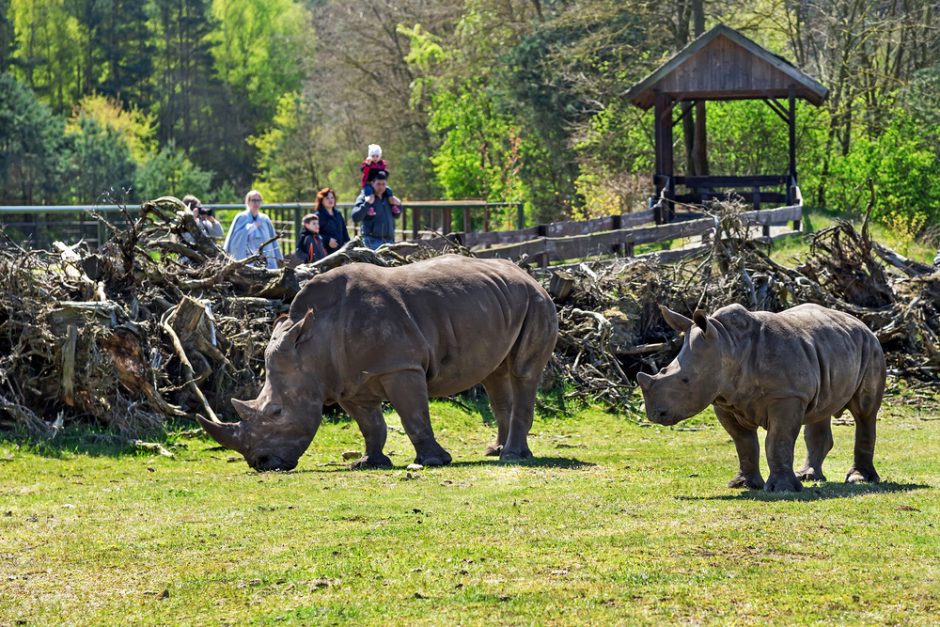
(776, 371)
(362, 334)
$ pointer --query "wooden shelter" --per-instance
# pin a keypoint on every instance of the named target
(722, 64)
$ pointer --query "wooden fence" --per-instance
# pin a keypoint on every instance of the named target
(591, 238)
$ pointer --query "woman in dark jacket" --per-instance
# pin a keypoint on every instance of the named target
(332, 222)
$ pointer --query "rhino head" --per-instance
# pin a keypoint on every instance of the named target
(690, 382)
(278, 426)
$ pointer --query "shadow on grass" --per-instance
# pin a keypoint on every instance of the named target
(825, 491)
(566, 463)
(100, 442)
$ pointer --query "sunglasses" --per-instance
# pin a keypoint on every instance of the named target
(254, 200)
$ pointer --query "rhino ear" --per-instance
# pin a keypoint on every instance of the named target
(701, 320)
(675, 320)
(296, 333)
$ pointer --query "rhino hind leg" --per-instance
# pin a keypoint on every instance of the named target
(499, 390)
(520, 422)
(818, 437)
(408, 393)
(863, 468)
(748, 448)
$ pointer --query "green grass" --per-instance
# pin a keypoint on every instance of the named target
(613, 523)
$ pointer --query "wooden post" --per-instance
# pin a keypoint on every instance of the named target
(415, 221)
(616, 222)
(445, 227)
(756, 195)
(486, 218)
(404, 221)
(520, 216)
(467, 225)
(662, 128)
(791, 184)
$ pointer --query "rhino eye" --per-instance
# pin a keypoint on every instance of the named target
(685, 379)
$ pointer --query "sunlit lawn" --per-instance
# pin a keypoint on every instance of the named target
(613, 523)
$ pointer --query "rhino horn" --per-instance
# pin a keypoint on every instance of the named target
(675, 320)
(246, 409)
(225, 433)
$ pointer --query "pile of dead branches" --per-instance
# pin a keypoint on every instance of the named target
(157, 323)
(160, 323)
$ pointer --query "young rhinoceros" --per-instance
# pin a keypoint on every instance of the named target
(362, 334)
(778, 371)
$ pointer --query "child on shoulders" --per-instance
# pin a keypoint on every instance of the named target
(372, 165)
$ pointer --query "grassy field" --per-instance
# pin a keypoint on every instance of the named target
(613, 523)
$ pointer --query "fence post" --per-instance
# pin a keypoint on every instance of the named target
(415, 221)
(102, 232)
(616, 223)
(520, 215)
(297, 218)
(445, 226)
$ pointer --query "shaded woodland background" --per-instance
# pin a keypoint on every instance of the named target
(488, 99)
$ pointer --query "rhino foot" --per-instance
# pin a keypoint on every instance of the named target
(857, 475)
(783, 483)
(371, 461)
(753, 482)
(440, 458)
(808, 473)
(493, 450)
(507, 455)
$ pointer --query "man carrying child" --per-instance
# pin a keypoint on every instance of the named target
(377, 216)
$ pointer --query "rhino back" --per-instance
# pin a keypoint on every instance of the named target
(823, 356)
(455, 318)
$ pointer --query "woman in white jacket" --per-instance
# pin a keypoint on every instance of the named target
(250, 230)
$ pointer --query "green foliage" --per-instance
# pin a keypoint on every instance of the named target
(288, 167)
(31, 146)
(905, 167)
(261, 48)
(170, 172)
(99, 161)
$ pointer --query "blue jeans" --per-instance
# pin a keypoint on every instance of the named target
(375, 242)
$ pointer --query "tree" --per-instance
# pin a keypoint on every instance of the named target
(47, 55)
(288, 167)
(170, 172)
(31, 146)
(99, 161)
(195, 110)
(262, 49)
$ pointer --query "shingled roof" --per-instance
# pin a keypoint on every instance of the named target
(723, 64)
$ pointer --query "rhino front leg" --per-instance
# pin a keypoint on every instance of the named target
(499, 390)
(783, 426)
(748, 447)
(818, 436)
(408, 394)
(371, 422)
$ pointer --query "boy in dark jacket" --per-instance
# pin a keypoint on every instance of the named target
(310, 246)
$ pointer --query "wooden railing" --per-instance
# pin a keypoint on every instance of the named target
(620, 241)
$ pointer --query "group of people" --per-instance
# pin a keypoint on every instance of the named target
(324, 229)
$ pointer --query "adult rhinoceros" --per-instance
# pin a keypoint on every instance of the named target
(778, 371)
(362, 334)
